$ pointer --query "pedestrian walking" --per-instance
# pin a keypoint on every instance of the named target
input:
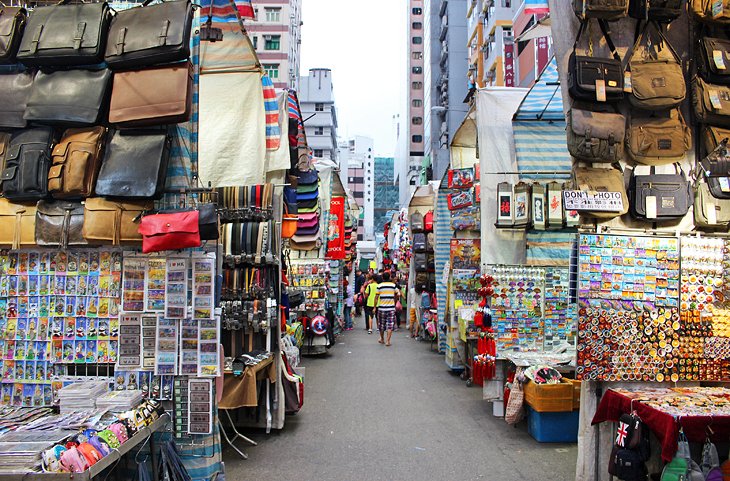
(370, 289)
(359, 281)
(349, 303)
(385, 300)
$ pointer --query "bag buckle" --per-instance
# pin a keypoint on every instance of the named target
(120, 40)
(163, 32)
(36, 39)
(79, 37)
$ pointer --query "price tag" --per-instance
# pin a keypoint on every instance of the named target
(715, 99)
(724, 184)
(711, 213)
(718, 58)
(717, 8)
(651, 207)
(601, 90)
(627, 82)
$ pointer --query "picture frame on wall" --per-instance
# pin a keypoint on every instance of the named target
(555, 205)
(522, 205)
(505, 205)
(538, 207)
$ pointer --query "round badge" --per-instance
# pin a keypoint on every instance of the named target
(675, 377)
(660, 377)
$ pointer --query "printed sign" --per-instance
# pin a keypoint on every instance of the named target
(598, 201)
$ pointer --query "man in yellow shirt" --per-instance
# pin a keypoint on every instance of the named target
(371, 291)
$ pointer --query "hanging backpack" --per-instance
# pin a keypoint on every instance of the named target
(419, 242)
(710, 459)
(430, 241)
(662, 11)
(428, 221)
(605, 9)
(416, 222)
(421, 262)
(425, 300)
(586, 72)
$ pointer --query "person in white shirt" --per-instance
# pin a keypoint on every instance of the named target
(349, 304)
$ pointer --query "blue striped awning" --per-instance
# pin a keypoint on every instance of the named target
(544, 101)
(443, 234)
(542, 151)
(546, 248)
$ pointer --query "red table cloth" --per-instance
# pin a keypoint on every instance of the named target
(663, 425)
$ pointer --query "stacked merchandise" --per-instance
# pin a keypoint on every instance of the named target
(423, 256)
(463, 198)
(118, 401)
(313, 278)
(307, 236)
(81, 396)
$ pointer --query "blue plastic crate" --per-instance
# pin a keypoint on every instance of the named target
(553, 427)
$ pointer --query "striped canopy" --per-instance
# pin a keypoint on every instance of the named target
(544, 100)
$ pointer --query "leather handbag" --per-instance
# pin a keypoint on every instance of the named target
(150, 35)
(709, 211)
(136, 102)
(703, 11)
(658, 139)
(75, 162)
(589, 179)
(25, 177)
(18, 225)
(657, 79)
(208, 224)
(12, 23)
(65, 34)
(4, 144)
(715, 166)
(592, 78)
(69, 97)
(135, 165)
(713, 61)
(14, 92)
(596, 136)
(166, 232)
(605, 9)
(660, 196)
(711, 102)
(288, 226)
(59, 224)
(662, 11)
(110, 222)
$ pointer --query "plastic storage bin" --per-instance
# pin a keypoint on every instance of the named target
(549, 398)
(553, 427)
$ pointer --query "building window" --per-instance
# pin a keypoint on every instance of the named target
(417, 25)
(417, 120)
(273, 14)
(255, 40)
(273, 42)
(416, 139)
(417, 40)
(419, 10)
(318, 153)
(417, 103)
(319, 107)
(272, 70)
(319, 131)
(416, 85)
(417, 55)
(417, 70)
(507, 3)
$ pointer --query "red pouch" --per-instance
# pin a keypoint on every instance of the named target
(163, 232)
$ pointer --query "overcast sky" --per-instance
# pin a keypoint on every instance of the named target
(364, 43)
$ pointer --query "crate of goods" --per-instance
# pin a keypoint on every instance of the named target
(576, 392)
(553, 427)
(549, 398)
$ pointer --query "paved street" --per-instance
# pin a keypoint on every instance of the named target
(376, 413)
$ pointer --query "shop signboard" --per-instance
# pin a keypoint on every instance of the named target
(595, 201)
(336, 229)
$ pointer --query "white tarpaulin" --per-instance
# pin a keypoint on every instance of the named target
(495, 108)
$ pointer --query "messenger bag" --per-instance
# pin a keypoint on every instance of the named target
(590, 179)
(660, 196)
(595, 79)
(25, 177)
(596, 136)
(658, 139)
(12, 24)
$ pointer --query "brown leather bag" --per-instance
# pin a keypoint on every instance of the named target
(76, 160)
(17, 224)
(137, 102)
(59, 224)
(111, 222)
(12, 23)
(4, 144)
(658, 139)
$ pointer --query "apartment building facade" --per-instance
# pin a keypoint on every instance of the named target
(415, 119)
(276, 34)
(356, 159)
(317, 101)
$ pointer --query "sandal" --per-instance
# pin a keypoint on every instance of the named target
(370, 331)
(380, 341)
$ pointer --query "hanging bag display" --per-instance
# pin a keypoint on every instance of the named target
(4, 144)
(113, 223)
(14, 92)
(150, 35)
(12, 24)
(421, 262)
(596, 136)
(595, 79)
(135, 102)
(713, 61)
(59, 224)
(428, 221)
(590, 179)
(18, 223)
(660, 196)
(416, 222)
(711, 102)
(714, 168)
(75, 163)
(69, 97)
(662, 11)
(25, 177)
(135, 165)
(605, 9)
(657, 76)
(164, 232)
(711, 11)
(419, 242)
(65, 34)
(659, 138)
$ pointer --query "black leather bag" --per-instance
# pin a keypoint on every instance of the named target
(585, 72)
(662, 11)
(627, 465)
(135, 165)
(25, 177)
(715, 166)
(69, 97)
(59, 224)
(150, 35)
(12, 23)
(14, 92)
(65, 34)
(670, 193)
(707, 67)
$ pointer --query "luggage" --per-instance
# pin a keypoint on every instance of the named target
(658, 139)
(703, 11)
(75, 163)
(416, 222)
(596, 136)
(662, 11)
(592, 78)
(25, 177)
(602, 180)
(419, 242)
